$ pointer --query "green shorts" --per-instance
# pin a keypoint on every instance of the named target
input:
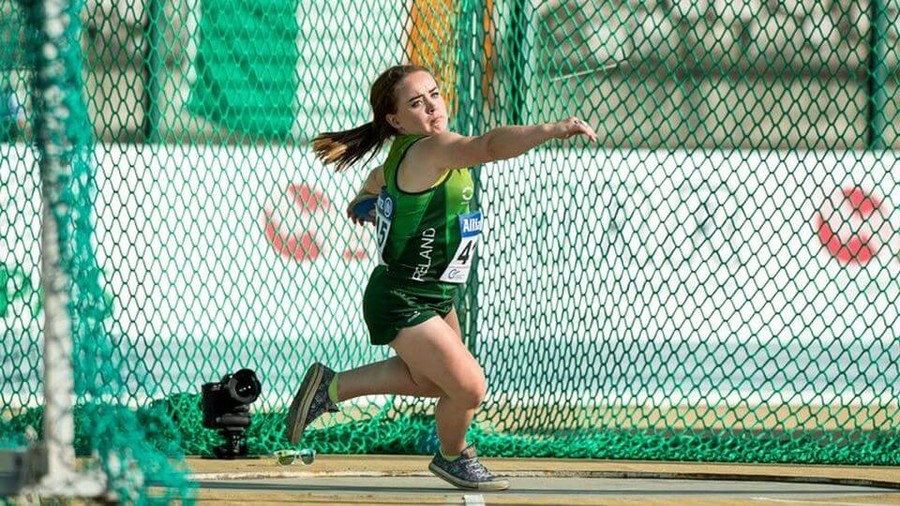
(392, 304)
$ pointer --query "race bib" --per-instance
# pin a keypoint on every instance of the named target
(470, 231)
(384, 213)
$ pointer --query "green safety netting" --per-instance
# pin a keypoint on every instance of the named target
(716, 279)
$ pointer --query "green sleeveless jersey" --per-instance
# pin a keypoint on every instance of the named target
(427, 236)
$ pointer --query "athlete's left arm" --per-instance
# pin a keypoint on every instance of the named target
(449, 150)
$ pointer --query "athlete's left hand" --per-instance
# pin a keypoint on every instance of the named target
(572, 127)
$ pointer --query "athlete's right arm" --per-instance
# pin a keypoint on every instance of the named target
(374, 181)
(370, 189)
(449, 150)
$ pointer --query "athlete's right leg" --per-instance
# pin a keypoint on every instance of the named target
(316, 395)
(391, 376)
(322, 387)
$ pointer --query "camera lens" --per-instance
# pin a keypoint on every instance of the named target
(244, 387)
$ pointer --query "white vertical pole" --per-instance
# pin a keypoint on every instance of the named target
(52, 112)
(59, 387)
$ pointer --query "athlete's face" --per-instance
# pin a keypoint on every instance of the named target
(420, 106)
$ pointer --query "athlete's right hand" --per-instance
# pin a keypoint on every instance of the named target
(361, 209)
(572, 127)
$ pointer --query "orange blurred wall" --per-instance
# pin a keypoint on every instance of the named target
(432, 43)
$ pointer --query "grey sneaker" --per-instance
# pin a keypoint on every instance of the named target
(311, 401)
(466, 471)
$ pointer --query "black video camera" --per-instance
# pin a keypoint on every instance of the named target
(226, 406)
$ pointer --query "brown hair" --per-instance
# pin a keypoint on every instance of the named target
(347, 147)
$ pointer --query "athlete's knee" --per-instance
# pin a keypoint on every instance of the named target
(472, 390)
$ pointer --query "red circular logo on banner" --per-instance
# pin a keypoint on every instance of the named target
(848, 225)
(299, 245)
(294, 232)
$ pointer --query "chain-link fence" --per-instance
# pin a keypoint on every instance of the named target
(717, 279)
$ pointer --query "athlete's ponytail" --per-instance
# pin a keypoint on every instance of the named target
(347, 147)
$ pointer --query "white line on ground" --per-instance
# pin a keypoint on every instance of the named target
(473, 500)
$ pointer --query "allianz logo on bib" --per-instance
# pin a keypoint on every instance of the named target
(385, 205)
(470, 224)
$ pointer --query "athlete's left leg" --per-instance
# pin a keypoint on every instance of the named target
(452, 319)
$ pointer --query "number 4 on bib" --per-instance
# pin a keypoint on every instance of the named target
(470, 231)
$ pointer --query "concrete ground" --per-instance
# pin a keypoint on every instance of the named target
(376, 479)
